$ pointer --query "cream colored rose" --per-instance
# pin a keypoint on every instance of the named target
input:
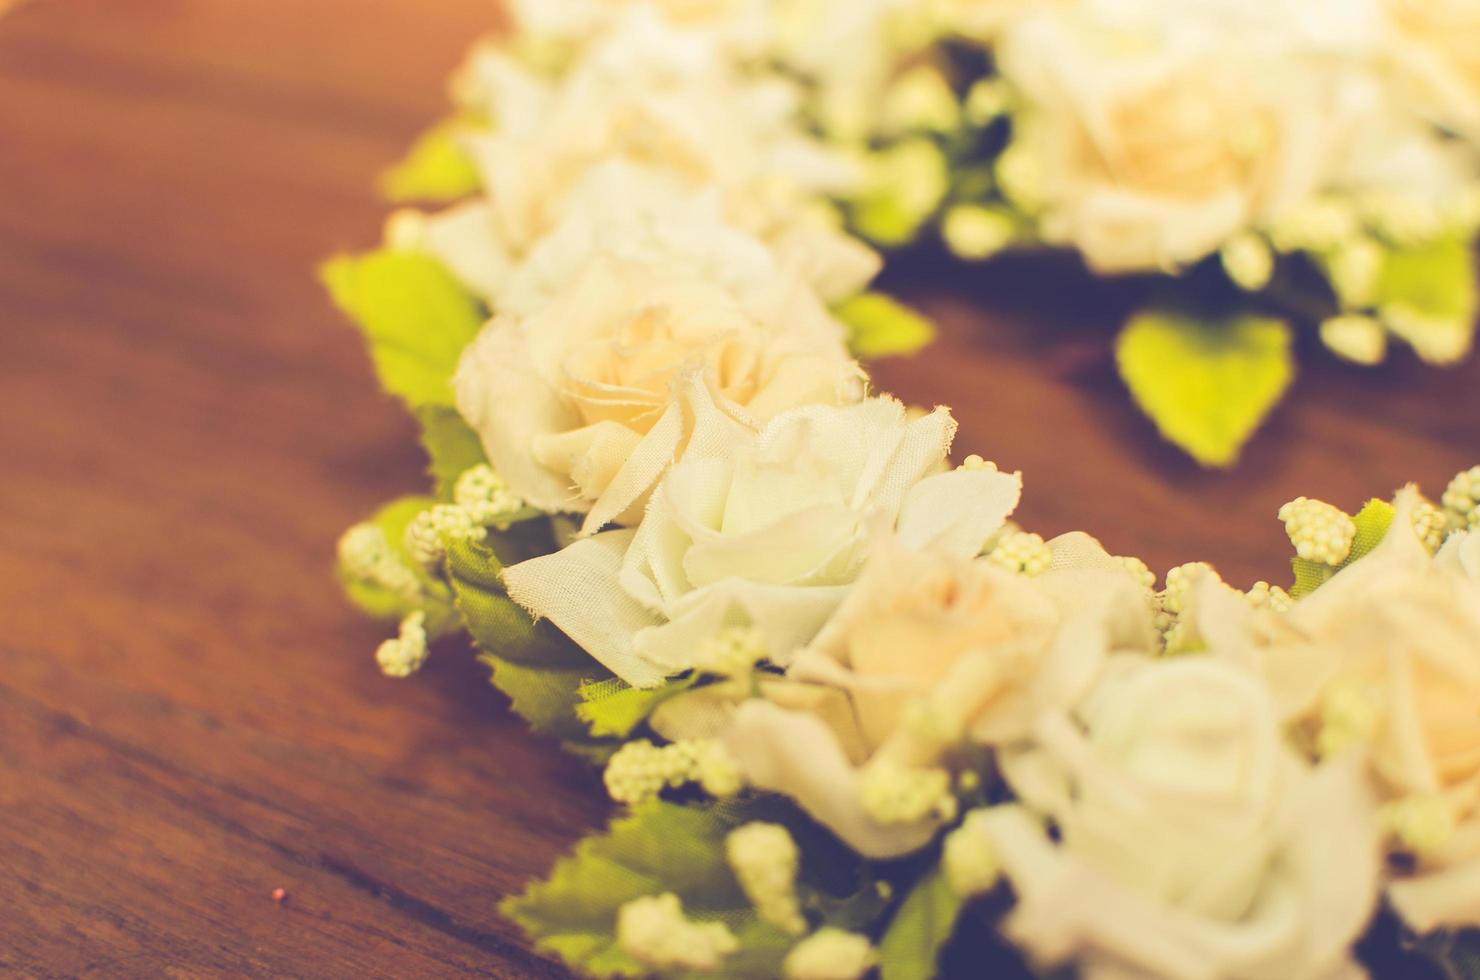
(1191, 842)
(741, 25)
(576, 405)
(764, 527)
(1436, 44)
(652, 95)
(1385, 657)
(929, 652)
(653, 148)
(1151, 142)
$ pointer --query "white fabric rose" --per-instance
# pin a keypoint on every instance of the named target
(1386, 655)
(654, 149)
(741, 26)
(1436, 45)
(978, 651)
(654, 95)
(1192, 843)
(764, 527)
(577, 404)
(1157, 131)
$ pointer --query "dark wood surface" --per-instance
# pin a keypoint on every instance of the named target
(190, 716)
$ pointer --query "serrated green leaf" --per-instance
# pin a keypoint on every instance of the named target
(920, 929)
(415, 317)
(377, 601)
(434, 170)
(452, 446)
(615, 708)
(1206, 385)
(660, 847)
(1372, 522)
(879, 326)
(535, 665)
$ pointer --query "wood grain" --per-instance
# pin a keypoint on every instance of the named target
(189, 714)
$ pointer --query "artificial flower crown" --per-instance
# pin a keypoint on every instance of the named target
(856, 716)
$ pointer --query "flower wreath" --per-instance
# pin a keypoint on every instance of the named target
(859, 719)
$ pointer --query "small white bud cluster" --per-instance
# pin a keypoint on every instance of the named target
(1356, 338)
(1138, 570)
(655, 931)
(971, 863)
(830, 954)
(1354, 270)
(1271, 597)
(1020, 176)
(1180, 582)
(1431, 525)
(893, 794)
(1318, 225)
(975, 233)
(1248, 260)
(765, 860)
(1436, 339)
(429, 534)
(986, 100)
(732, 652)
(641, 770)
(1350, 714)
(1419, 823)
(486, 496)
(1402, 218)
(405, 230)
(920, 100)
(1172, 601)
(366, 555)
(1320, 532)
(1462, 498)
(403, 655)
(1022, 552)
(975, 462)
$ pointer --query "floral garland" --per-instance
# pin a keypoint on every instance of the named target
(857, 716)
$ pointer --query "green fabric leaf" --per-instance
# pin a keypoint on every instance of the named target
(660, 847)
(1372, 522)
(920, 929)
(1436, 279)
(435, 170)
(615, 708)
(879, 326)
(1428, 296)
(379, 602)
(535, 665)
(1206, 385)
(452, 446)
(415, 317)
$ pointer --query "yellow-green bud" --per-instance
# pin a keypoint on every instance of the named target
(1319, 531)
(765, 860)
(830, 954)
(404, 654)
(655, 931)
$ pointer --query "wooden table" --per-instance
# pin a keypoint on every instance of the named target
(190, 716)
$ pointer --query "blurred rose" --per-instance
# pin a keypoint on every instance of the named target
(1192, 843)
(1437, 44)
(1386, 657)
(1149, 144)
